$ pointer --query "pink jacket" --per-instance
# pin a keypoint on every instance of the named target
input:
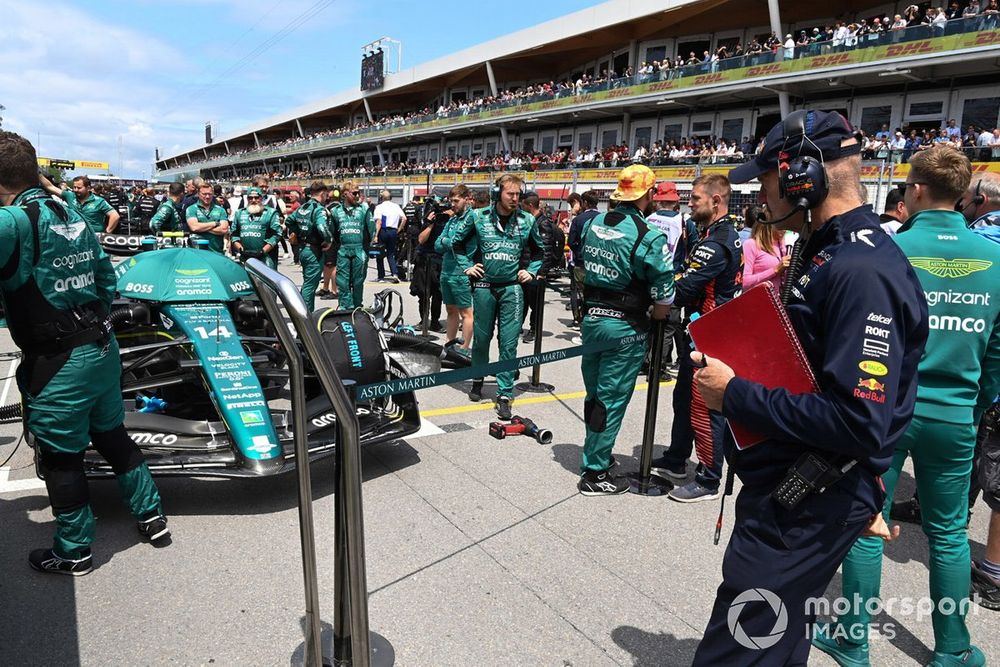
(759, 266)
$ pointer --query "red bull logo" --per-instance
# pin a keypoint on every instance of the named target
(764, 70)
(871, 384)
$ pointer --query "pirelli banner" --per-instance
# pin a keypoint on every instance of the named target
(81, 165)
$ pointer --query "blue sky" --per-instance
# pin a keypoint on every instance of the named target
(77, 76)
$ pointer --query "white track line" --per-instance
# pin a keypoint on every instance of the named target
(8, 381)
(7, 486)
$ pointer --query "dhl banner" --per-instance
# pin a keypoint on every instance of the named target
(864, 53)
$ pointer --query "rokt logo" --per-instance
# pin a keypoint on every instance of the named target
(780, 619)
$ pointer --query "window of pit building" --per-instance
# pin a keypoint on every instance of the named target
(672, 132)
(643, 136)
(700, 128)
(609, 138)
(655, 54)
(873, 118)
(981, 112)
(732, 129)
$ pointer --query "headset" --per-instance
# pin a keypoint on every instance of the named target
(802, 179)
(496, 189)
(977, 200)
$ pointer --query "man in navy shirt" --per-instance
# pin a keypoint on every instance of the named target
(860, 314)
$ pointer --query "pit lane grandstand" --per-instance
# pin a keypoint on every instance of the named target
(688, 87)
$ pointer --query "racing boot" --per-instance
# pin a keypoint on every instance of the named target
(47, 560)
(476, 393)
(154, 528)
(985, 588)
(970, 657)
(846, 654)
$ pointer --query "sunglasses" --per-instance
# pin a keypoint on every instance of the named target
(252, 197)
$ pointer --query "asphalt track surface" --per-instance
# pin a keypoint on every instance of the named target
(479, 552)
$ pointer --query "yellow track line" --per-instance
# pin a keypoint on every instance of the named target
(478, 407)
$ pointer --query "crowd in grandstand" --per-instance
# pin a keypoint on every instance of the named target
(840, 36)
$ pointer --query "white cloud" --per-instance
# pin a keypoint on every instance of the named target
(75, 84)
(78, 80)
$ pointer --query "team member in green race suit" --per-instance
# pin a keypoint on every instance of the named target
(207, 220)
(500, 233)
(309, 227)
(168, 217)
(100, 215)
(456, 292)
(57, 285)
(957, 379)
(353, 228)
(628, 266)
(256, 229)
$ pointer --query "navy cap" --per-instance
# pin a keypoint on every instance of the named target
(825, 131)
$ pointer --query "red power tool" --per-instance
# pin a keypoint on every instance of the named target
(521, 426)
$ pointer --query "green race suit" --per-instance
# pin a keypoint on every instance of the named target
(310, 224)
(958, 377)
(57, 286)
(455, 286)
(627, 266)
(353, 229)
(167, 218)
(497, 296)
(94, 210)
(216, 242)
(253, 232)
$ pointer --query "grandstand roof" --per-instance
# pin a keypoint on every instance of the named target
(545, 51)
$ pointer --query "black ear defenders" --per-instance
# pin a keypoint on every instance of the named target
(802, 179)
(497, 188)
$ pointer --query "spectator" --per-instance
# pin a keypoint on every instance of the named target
(765, 256)
(895, 213)
(389, 221)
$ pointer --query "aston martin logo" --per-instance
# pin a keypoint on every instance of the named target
(950, 268)
(606, 233)
(191, 272)
(69, 231)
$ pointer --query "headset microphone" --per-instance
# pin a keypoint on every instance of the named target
(798, 208)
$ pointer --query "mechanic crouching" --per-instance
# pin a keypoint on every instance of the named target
(57, 285)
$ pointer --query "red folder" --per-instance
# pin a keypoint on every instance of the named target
(752, 335)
